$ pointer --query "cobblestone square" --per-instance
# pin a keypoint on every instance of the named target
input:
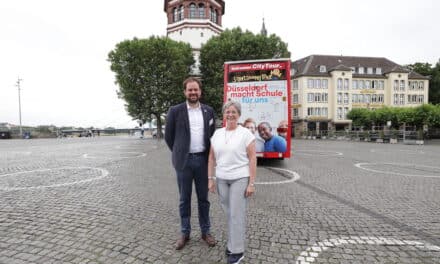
(115, 200)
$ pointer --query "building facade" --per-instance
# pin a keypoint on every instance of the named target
(194, 22)
(325, 88)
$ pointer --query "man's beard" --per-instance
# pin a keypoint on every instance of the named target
(193, 100)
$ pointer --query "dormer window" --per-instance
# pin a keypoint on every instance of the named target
(322, 68)
(353, 69)
(369, 70)
(361, 70)
(378, 70)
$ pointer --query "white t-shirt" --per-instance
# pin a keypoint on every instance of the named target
(230, 152)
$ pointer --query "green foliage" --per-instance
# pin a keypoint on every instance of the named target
(419, 116)
(360, 117)
(150, 73)
(424, 69)
(233, 45)
(434, 85)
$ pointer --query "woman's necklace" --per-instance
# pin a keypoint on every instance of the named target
(231, 134)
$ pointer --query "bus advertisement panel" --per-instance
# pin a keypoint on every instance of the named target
(263, 89)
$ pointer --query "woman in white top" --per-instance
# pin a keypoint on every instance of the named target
(232, 156)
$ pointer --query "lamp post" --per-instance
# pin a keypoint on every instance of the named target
(19, 103)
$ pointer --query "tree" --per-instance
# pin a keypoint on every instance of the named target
(231, 45)
(434, 85)
(150, 73)
(360, 117)
(426, 69)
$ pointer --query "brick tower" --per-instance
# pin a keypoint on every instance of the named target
(194, 22)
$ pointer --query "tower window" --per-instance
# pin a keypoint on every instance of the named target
(175, 15)
(201, 11)
(181, 13)
(192, 11)
(213, 16)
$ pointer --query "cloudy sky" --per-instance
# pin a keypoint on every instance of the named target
(59, 47)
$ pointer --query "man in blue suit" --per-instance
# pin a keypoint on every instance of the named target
(188, 130)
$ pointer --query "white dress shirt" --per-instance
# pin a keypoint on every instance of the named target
(195, 115)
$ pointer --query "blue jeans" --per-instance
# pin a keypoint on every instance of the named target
(196, 169)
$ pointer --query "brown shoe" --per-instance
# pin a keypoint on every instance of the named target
(181, 242)
(209, 239)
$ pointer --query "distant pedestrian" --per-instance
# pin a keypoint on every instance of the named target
(189, 126)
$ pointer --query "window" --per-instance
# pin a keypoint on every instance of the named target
(325, 97)
(354, 84)
(361, 98)
(295, 84)
(368, 98)
(310, 97)
(402, 85)
(420, 99)
(295, 98)
(354, 98)
(345, 112)
(380, 98)
(339, 113)
(310, 83)
(421, 86)
(381, 85)
(317, 97)
(192, 11)
(181, 12)
(402, 99)
(370, 70)
(201, 11)
(361, 84)
(324, 84)
(317, 111)
(367, 84)
(322, 68)
(310, 111)
(318, 83)
(378, 70)
(213, 15)
(339, 84)
(353, 69)
(339, 98)
(361, 70)
(396, 85)
(346, 84)
(374, 84)
(175, 14)
(295, 112)
(374, 98)
(346, 98)
(396, 99)
(324, 111)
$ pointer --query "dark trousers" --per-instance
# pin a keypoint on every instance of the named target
(196, 169)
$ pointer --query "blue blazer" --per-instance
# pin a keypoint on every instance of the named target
(178, 135)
